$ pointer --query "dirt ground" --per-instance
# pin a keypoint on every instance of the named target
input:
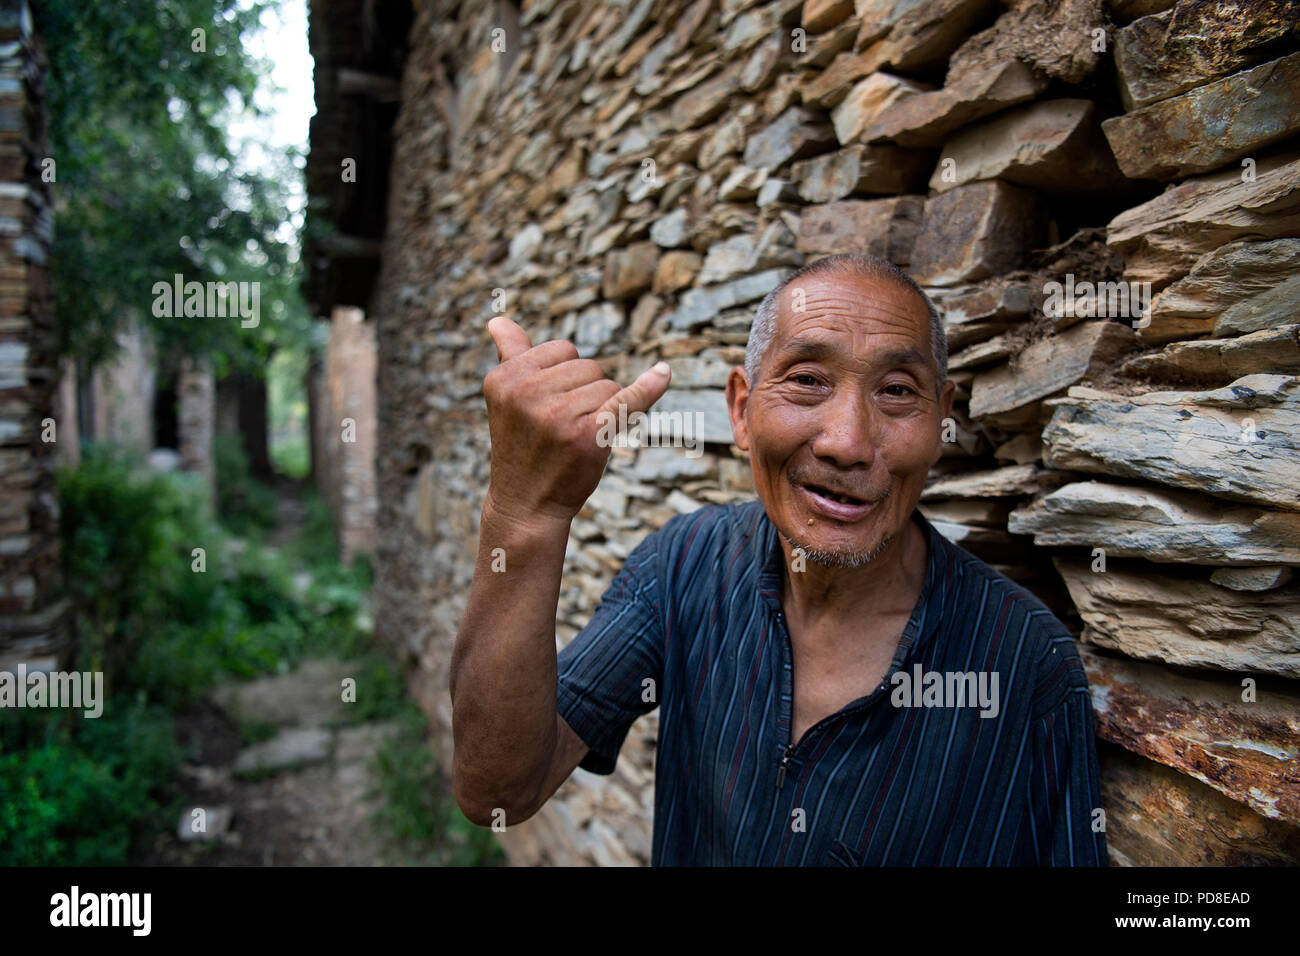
(307, 808)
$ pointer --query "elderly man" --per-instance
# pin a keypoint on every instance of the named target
(838, 683)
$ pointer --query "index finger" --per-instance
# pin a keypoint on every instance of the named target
(509, 338)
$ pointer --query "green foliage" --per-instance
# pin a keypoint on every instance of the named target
(128, 541)
(286, 395)
(256, 732)
(148, 185)
(127, 544)
(416, 810)
(244, 505)
(316, 543)
(73, 793)
(381, 693)
(292, 456)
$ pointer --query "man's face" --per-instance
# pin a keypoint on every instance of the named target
(842, 423)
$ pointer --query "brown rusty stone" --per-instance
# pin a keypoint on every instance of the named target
(1197, 41)
(1203, 728)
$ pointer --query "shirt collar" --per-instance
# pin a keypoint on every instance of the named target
(931, 606)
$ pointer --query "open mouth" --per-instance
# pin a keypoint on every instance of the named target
(834, 504)
(835, 495)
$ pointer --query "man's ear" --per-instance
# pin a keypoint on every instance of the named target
(737, 401)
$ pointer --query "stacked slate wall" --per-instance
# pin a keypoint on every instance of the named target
(1102, 198)
(33, 609)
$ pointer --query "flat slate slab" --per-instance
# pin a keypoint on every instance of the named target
(1170, 52)
(1240, 442)
(310, 696)
(1162, 239)
(1210, 126)
(287, 750)
(1202, 728)
(1159, 524)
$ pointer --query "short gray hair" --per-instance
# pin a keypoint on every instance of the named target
(763, 329)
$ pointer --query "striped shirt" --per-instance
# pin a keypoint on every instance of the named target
(910, 775)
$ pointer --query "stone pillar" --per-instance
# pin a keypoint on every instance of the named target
(195, 396)
(347, 431)
(123, 389)
(33, 611)
(68, 448)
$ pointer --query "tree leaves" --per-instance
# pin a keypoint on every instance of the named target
(148, 185)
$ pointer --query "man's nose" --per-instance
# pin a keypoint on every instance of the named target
(848, 430)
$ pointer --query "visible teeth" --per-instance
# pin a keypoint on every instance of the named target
(836, 496)
(842, 499)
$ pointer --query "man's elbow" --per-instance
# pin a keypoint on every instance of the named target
(496, 810)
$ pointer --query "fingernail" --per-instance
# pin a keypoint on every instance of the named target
(660, 367)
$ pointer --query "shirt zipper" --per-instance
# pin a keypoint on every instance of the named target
(794, 744)
(780, 771)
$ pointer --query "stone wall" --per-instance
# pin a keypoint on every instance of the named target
(120, 400)
(343, 428)
(635, 176)
(196, 414)
(33, 610)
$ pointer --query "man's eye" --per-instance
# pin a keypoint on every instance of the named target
(904, 388)
(806, 379)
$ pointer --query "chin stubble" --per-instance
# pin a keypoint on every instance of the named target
(843, 559)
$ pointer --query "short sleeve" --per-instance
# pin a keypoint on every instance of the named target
(1064, 823)
(603, 672)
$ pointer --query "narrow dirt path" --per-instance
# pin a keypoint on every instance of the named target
(300, 797)
(281, 774)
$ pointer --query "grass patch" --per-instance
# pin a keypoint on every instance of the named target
(245, 505)
(167, 604)
(76, 792)
(292, 456)
(254, 732)
(380, 690)
(416, 809)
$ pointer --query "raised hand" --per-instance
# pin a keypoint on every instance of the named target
(544, 414)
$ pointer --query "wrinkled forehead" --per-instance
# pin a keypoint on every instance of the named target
(870, 312)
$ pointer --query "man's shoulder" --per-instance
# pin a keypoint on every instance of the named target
(693, 549)
(977, 574)
(1043, 637)
(712, 526)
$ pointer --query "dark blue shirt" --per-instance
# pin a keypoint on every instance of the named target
(910, 775)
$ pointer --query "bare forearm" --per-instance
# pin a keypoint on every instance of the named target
(503, 668)
(547, 412)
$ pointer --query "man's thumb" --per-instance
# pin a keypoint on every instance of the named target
(644, 392)
(510, 339)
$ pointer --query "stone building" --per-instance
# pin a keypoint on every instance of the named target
(33, 609)
(359, 49)
(1103, 198)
